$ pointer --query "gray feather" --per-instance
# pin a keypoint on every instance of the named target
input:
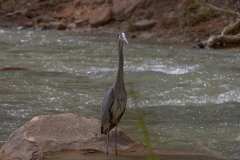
(107, 104)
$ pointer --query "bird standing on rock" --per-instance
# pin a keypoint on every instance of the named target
(115, 99)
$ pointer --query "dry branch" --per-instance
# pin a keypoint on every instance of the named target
(230, 35)
(223, 41)
(226, 11)
(232, 29)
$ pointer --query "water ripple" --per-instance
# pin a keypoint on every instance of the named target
(177, 70)
(171, 70)
(230, 96)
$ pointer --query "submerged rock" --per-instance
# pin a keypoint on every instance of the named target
(70, 132)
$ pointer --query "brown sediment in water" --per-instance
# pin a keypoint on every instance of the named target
(13, 69)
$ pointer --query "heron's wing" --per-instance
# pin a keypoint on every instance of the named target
(108, 101)
(106, 111)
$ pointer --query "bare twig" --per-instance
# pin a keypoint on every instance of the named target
(232, 29)
(226, 11)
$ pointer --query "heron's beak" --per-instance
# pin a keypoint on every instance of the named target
(124, 38)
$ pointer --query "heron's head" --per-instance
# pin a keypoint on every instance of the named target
(122, 37)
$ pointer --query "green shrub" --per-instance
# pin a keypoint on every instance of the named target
(195, 12)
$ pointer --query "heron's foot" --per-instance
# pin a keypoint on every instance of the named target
(116, 142)
(116, 152)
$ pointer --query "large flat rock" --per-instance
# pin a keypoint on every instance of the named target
(53, 133)
(49, 134)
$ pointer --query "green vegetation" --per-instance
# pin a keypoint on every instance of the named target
(146, 138)
(141, 125)
(8, 4)
(195, 12)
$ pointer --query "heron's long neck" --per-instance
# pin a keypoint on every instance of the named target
(120, 76)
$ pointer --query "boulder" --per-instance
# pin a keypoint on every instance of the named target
(65, 12)
(43, 18)
(146, 35)
(125, 8)
(53, 25)
(81, 22)
(143, 24)
(118, 8)
(100, 16)
(52, 133)
(64, 133)
(71, 26)
(88, 2)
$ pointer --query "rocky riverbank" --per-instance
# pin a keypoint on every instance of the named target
(175, 20)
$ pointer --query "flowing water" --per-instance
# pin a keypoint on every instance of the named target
(190, 98)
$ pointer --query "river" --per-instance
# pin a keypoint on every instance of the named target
(190, 98)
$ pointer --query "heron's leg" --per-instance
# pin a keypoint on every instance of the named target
(116, 151)
(107, 143)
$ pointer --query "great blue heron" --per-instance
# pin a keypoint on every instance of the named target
(115, 99)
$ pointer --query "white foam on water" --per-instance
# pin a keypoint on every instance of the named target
(171, 70)
(165, 100)
(2, 31)
(229, 96)
(167, 69)
(96, 70)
